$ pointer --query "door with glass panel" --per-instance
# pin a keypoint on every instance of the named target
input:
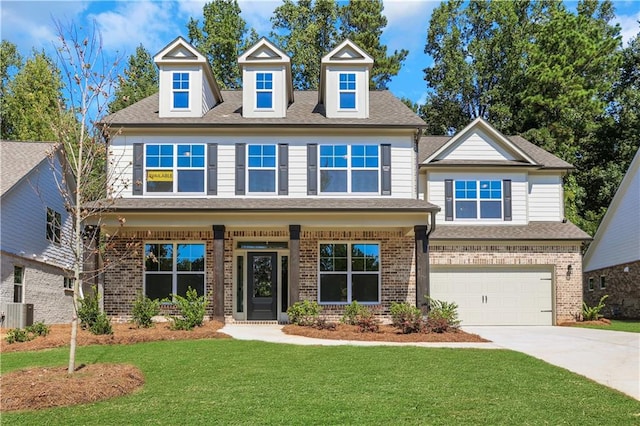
(262, 286)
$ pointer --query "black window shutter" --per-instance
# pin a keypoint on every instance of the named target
(448, 199)
(212, 169)
(386, 169)
(283, 169)
(138, 168)
(506, 190)
(312, 169)
(240, 168)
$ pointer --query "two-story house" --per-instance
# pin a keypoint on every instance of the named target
(266, 196)
(34, 235)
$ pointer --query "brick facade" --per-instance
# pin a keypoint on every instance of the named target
(567, 286)
(622, 284)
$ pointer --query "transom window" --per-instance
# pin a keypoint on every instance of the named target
(175, 168)
(348, 272)
(173, 268)
(349, 168)
(264, 90)
(18, 281)
(478, 199)
(180, 90)
(347, 90)
(54, 225)
(262, 168)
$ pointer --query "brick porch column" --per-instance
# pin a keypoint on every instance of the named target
(218, 272)
(422, 266)
(294, 264)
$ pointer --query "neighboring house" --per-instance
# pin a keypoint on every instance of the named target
(36, 256)
(263, 197)
(612, 261)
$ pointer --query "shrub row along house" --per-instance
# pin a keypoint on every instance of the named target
(262, 197)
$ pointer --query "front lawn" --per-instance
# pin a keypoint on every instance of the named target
(630, 326)
(239, 382)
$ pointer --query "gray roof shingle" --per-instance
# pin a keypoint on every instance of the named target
(532, 231)
(17, 159)
(385, 110)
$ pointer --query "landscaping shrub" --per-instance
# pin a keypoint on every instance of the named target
(101, 325)
(367, 321)
(18, 335)
(448, 311)
(144, 309)
(351, 313)
(592, 313)
(192, 309)
(305, 313)
(407, 318)
(38, 329)
(91, 316)
(437, 325)
(323, 324)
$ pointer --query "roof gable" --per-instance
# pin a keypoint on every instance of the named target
(349, 53)
(263, 52)
(179, 51)
(19, 159)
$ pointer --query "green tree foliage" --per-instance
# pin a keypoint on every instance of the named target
(222, 37)
(31, 100)
(10, 61)
(362, 21)
(139, 81)
(531, 68)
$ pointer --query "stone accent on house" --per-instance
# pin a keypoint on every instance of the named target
(567, 286)
(622, 284)
(43, 287)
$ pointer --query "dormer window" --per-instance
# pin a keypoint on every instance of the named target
(347, 90)
(180, 90)
(264, 90)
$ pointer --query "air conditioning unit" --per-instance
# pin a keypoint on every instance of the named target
(17, 315)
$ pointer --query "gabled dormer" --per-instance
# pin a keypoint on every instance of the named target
(187, 85)
(267, 86)
(344, 81)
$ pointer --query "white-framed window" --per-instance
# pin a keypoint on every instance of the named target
(68, 283)
(180, 86)
(264, 90)
(54, 225)
(349, 271)
(18, 283)
(590, 283)
(173, 268)
(478, 199)
(261, 170)
(172, 168)
(349, 169)
(603, 283)
(347, 90)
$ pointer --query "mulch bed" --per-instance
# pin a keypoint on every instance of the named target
(601, 321)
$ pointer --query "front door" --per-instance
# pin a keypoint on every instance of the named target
(262, 297)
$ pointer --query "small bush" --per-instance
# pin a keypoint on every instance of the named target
(89, 309)
(101, 325)
(439, 309)
(437, 325)
(407, 318)
(323, 324)
(192, 309)
(16, 335)
(38, 329)
(351, 313)
(144, 309)
(592, 313)
(367, 321)
(304, 313)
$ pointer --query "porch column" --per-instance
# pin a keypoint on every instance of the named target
(422, 266)
(218, 272)
(294, 264)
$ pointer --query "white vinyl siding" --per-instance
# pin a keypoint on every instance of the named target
(545, 198)
(476, 146)
(196, 89)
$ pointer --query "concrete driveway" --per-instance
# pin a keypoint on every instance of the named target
(611, 358)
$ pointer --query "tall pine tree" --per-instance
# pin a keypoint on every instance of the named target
(139, 81)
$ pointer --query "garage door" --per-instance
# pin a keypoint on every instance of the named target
(496, 296)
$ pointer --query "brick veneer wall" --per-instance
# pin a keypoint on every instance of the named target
(622, 287)
(568, 288)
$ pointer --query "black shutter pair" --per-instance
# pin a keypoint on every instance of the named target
(283, 169)
(448, 199)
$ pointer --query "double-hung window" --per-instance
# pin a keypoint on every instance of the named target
(174, 168)
(262, 168)
(349, 169)
(180, 90)
(54, 225)
(264, 90)
(347, 92)
(480, 199)
(349, 272)
(173, 268)
(18, 281)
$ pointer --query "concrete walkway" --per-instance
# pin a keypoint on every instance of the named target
(611, 358)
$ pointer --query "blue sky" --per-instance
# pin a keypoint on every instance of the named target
(126, 24)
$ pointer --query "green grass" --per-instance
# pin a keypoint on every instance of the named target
(237, 382)
(630, 326)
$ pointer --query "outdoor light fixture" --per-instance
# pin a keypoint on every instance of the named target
(626, 269)
(569, 269)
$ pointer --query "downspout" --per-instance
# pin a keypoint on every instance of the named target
(416, 141)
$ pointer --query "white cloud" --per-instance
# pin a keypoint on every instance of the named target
(258, 14)
(407, 23)
(629, 26)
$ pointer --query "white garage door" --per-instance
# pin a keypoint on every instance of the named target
(496, 296)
